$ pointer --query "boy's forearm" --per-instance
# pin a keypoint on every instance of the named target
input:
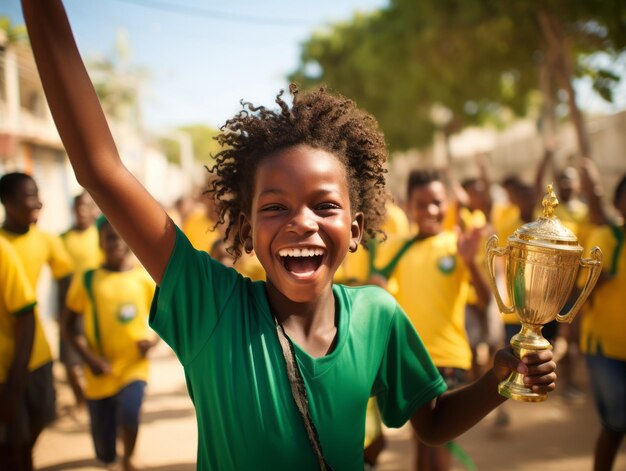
(70, 334)
(457, 411)
(63, 285)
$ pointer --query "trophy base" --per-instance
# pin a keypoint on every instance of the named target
(513, 388)
(528, 340)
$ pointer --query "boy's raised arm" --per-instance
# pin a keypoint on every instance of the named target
(136, 215)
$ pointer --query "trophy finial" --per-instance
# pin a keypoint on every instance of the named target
(549, 202)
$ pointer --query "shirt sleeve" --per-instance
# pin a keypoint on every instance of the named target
(187, 305)
(76, 299)
(407, 378)
(17, 294)
(60, 261)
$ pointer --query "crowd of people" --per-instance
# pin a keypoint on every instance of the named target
(337, 308)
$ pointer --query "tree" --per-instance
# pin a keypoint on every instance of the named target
(202, 140)
(481, 60)
(118, 84)
(11, 34)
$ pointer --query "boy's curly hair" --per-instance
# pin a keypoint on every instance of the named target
(317, 119)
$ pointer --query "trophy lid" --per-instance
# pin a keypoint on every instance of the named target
(547, 231)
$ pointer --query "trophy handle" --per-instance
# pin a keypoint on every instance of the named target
(494, 251)
(594, 264)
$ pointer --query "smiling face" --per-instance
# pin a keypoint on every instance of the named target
(23, 206)
(116, 251)
(428, 205)
(85, 211)
(300, 221)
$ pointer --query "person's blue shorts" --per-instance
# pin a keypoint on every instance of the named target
(35, 409)
(608, 384)
(107, 414)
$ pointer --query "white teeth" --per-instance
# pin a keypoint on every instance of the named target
(305, 252)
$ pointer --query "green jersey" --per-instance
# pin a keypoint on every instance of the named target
(221, 328)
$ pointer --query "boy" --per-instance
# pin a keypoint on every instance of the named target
(35, 248)
(81, 243)
(439, 264)
(113, 301)
(280, 371)
(603, 335)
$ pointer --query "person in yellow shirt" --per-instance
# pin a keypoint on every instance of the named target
(81, 240)
(603, 335)
(35, 248)
(81, 243)
(114, 302)
(575, 214)
(432, 271)
(24, 404)
(200, 224)
(356, 269)
(200, 228)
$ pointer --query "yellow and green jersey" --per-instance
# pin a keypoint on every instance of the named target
(603, 326)
(115, 306)
(35, 249)
(16, 297)
(83, 248)
(431, 283)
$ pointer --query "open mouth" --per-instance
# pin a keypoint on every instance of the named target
(301, 262)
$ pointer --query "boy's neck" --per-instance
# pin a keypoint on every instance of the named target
(126, 265)
(311, 325)
(15, 228)
(425, 236)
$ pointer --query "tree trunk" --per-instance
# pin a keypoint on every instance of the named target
(560, 63)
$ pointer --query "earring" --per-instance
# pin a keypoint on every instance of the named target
(353, 246)
(247, 245)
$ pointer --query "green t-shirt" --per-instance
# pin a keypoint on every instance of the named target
(221, 328)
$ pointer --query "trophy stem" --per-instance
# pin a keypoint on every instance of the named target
(529, 339)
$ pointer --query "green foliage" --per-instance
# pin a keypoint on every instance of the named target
(13, 34)
(479, 59)
(118, 84)
(202, 140)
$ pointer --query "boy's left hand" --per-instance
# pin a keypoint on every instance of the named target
(468, 242)
(538, 368)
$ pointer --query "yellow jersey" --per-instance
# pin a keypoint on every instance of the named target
(432, 285)
(356, 267)
(83, 248)
(35, 249)
(122, 304)
(250, 266)
(16, 297)
(199, 230)
(603, 325)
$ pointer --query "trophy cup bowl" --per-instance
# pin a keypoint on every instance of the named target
(542, 263)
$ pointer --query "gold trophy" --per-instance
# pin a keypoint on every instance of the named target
(542, 263)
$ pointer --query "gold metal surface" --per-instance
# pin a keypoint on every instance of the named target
(542, 261)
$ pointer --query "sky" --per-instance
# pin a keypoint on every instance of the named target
(203, 57)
